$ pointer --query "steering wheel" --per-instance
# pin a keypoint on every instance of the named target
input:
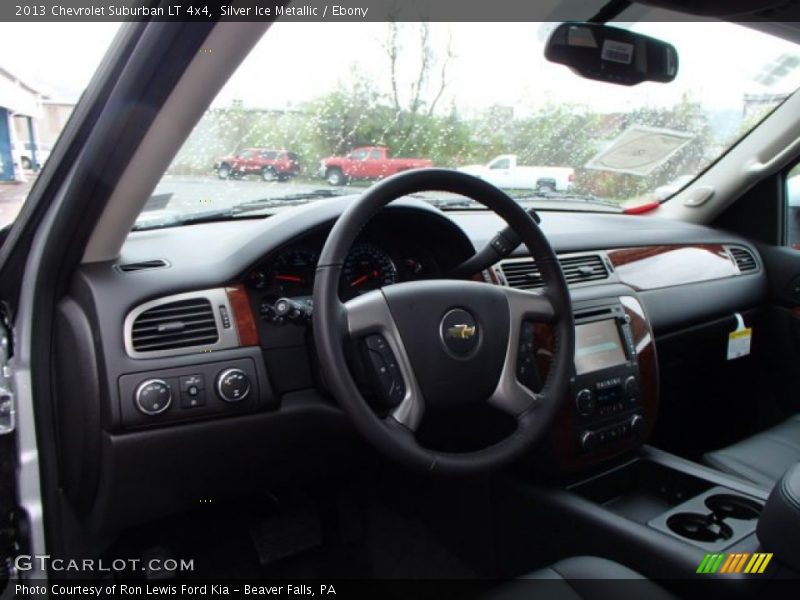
(443, 342)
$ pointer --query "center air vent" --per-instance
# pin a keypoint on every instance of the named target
(744, 259)
(525, 275)
(180, 324)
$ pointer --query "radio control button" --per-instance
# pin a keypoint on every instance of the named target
(632, 388)
(584, 401)
(636, 424)
(588, 440)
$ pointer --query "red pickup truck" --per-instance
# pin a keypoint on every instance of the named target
(367, 162)
(270, 165)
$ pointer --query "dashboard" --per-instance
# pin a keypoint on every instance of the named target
(243, 388)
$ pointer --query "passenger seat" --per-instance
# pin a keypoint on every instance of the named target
(762, 458)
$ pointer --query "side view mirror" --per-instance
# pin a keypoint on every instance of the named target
(612, 54)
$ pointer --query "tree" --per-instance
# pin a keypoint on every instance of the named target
(425, 90)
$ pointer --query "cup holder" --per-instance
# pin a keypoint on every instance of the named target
(735, 507)
(702, 528)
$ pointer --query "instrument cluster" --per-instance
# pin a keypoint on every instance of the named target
(289, 275)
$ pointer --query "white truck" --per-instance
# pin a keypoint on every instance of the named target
(505, 172)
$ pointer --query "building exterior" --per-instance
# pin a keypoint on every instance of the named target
(30, 123)
(20, 106)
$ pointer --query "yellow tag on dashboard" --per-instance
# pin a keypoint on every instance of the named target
(739, 340)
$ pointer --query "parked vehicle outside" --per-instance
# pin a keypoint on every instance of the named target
(23, 155)
(504, 171)
(367, 162)
(270, 165)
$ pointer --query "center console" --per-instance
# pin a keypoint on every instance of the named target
(594, 488)
(605, 386)
(656, 513)
(613, 391)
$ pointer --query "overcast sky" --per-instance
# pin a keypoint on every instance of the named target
(494, 63)
(504, 64)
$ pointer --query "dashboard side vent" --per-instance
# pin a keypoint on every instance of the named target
(525, 275)
(158, 263)
(179, 324)
(744, 259)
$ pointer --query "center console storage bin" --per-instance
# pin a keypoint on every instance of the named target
(674, 502)
(640, 490)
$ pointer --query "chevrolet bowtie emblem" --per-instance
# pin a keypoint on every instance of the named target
(461, 332)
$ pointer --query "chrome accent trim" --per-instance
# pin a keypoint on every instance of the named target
(227, 338)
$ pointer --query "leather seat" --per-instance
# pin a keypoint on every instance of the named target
(762, 458)
(582, 577)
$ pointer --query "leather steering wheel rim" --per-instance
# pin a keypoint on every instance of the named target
(335, 325)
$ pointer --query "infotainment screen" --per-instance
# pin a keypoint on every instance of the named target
(597, 346)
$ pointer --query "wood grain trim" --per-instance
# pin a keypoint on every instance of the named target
(242, 315)
(563, 447)
(652, 267)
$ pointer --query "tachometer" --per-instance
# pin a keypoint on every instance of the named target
(293, 270)
(367, 268)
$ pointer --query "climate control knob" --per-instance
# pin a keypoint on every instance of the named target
(153, 396)
(233, 385)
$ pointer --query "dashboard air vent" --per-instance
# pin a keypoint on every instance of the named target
(178, 324)
(744, 259)
(158, 263)
(525, 275)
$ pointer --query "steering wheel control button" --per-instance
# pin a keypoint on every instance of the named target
(459, 333)
(527, 373)
(153, 396)
(584, 401)
(385, 368)
(233, 385)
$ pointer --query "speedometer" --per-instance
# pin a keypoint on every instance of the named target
(367, 268)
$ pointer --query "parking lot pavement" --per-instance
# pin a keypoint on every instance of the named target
(194, 193)
(12, 196)
(191, 193)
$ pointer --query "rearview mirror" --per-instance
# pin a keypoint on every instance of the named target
(611, 54)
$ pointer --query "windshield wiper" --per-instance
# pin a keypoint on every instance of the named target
(566, 197)
(154, 220)
(449, 203)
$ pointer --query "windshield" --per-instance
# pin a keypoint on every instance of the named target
(296, 124)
